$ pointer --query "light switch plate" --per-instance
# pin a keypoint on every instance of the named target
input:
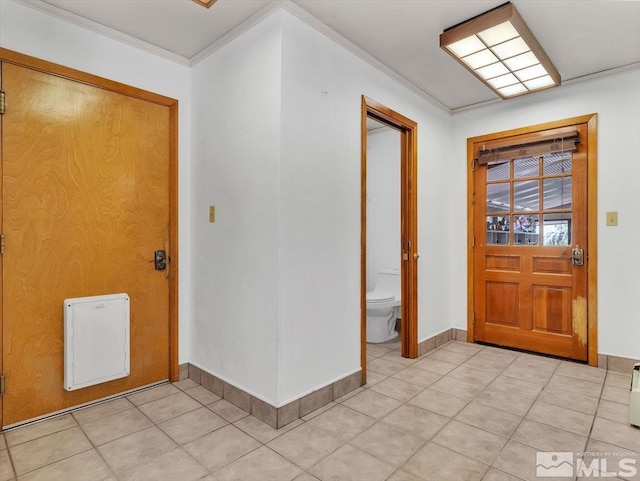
(612, 218)
(212, 213)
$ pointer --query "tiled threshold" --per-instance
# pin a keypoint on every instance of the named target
(612, 363)
(278, 417)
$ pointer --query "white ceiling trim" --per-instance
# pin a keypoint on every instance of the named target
(603, 73)
(235, 32)
(565, 83)
(96, 27)
(291, 7)
(316, 24)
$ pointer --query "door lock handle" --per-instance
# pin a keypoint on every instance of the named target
(577, 256)
(160, 260)
(416, 256)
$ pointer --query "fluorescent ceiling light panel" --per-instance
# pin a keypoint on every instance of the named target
(499, 49)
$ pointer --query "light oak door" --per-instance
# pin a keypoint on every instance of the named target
(85, 203)
(530, 213)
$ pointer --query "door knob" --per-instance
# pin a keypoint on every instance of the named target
(416, 256)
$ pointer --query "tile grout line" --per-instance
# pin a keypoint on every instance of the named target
(469, 402)
(13, 467)
(95, 447)
(524, 417)
(426, 441)
(153, 424)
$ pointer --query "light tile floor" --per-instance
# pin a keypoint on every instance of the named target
(463, 412)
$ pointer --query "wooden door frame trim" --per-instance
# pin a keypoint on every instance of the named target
(590, 121)
(16, 58)
(409, 139)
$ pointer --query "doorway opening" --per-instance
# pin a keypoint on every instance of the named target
(404, 267)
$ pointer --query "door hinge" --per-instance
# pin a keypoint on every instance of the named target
(1, 244)
(2, 385)
(2, 102)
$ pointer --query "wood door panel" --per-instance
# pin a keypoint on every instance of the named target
(503, 263)
(551, 265)
(86, 203)
(552, 309)
(502, 302)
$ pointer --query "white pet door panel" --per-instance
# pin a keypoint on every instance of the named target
(96, 340)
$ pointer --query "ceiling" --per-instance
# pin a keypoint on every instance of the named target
(582, 37)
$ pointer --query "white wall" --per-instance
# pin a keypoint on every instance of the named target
(31, 32)
(322, 84)
(616, 100)
(276, 149)
(383, 202)
(236, 152)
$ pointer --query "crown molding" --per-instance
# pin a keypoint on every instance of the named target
(592, 77)
(96, 27)
(327, 31)
(235, 32)
(291, 7)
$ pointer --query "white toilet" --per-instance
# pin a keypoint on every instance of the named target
(383, 307)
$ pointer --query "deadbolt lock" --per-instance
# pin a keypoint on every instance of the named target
(160, 260)
(577, 256)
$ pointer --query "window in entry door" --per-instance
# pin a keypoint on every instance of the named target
(529, 201)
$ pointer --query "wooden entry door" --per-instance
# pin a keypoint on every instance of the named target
(86, 202)
(530, 213)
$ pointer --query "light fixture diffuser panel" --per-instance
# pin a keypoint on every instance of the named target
(493, 70)
(480, 59)
(531, 72)
(512, 90)
(503, 81)
(539, 83)
(467, 46)
(521, 61)
(511, 48)
(498, 34)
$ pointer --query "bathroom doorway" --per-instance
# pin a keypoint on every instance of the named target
(389, 229)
